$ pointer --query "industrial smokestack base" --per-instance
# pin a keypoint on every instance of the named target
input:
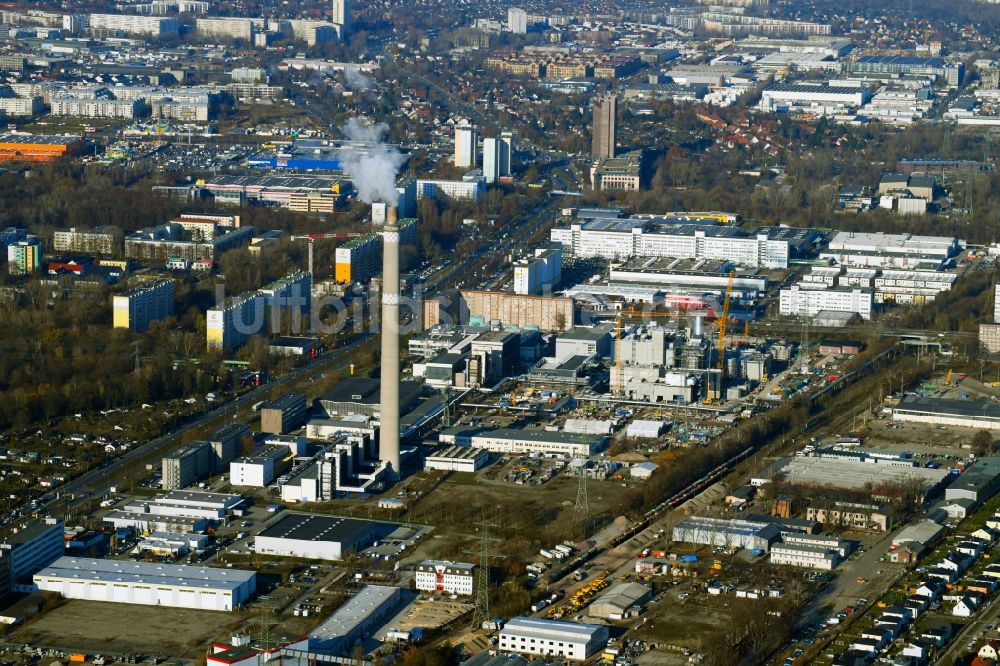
(389, 384)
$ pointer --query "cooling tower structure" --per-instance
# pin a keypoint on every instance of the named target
(388, 449)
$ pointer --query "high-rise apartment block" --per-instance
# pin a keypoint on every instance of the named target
(604, 127)
(517, 21)
(465, 146)
(540, 272)
(497, 153)
(130, 24)
(137, 308)
(233, 322)
(24, 257)
(342, 16)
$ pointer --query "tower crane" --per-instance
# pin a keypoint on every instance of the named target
(312, 238)
(721, 348)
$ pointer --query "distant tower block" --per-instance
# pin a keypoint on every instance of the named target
(389, 396)
(604, 126)
(342, 16)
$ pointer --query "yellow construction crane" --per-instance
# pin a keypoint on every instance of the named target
(721, 347)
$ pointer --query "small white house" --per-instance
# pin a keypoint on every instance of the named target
(965, 607)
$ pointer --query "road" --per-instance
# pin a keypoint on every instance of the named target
(973, 631)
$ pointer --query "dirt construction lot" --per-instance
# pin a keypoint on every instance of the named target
(105, 628)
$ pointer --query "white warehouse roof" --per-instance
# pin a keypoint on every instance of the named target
(148, 573)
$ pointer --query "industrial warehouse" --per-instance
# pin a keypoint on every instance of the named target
(551, 638)
(937, 411)
(201, 588)
(310, 536)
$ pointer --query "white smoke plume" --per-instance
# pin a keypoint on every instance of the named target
(373, 168)
(356, 81)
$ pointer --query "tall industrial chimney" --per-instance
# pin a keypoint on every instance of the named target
(389, 389)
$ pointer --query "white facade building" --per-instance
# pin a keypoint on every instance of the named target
(471, 188)
(497, 152)
(445, 577)
(881, 250)
(131, 24)
(804, 555)
(564, 640)
(458, 459)
(342, 16)
(140, 306)
(799, 302)
(517, 21)
(507, 440)
(150, 584)
(540, 272)
(466, 137)
(259, 468)
(620, 239)
(787, 97)
(316, 537)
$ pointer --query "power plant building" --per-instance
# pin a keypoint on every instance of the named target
(150, 584)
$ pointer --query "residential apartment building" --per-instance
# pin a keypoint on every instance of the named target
(540, 272)
(96, 241)
(233, 322)
(130, 24)
(138, 307)
(853, 516)
(24, 256)
(17, 106)
(229, 28)
(360, 259)
(470, 188)
(466, 138)
(497, 152)
(95, 102)
(341, 16)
